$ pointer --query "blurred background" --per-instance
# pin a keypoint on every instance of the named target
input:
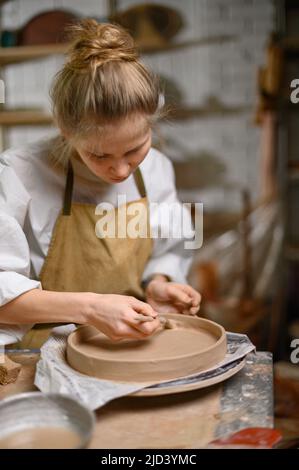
(226, 67)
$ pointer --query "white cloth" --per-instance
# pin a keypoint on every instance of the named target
(31, 195)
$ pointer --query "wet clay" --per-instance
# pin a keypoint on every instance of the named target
(41, 438)
(191, 345)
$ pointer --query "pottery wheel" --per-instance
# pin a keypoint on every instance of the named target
(192, 345)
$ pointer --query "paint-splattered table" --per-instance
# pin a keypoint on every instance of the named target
(186, 420)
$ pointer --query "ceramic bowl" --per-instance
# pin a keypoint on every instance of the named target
(35, 410)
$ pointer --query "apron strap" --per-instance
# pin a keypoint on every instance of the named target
(68, 192)
(140, 182)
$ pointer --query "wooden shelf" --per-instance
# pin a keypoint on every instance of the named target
(25, 118)
(13, 55)
(39, 117)
(182, 113)
(192, 42)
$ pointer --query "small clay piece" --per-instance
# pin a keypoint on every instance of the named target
(9, 370)
(182, 346)
(168, 324)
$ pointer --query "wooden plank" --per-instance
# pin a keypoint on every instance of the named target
(204, 41)
(25, 379)
(191, 112)
(25, 118)
(11, 55)
(9, 370)
(37, 117)
(185, 420)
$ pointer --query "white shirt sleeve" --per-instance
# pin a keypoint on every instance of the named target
(14, 249)
(169, 256)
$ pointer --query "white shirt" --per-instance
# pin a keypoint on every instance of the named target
(31, 195)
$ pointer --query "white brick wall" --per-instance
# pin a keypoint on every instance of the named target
(27, 84)
(227, 71)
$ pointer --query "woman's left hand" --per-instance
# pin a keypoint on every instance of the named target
(172, 297)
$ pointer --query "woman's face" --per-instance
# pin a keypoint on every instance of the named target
(118, 151)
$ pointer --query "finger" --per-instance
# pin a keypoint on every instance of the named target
(142, 318)
(195, 296)
(147, 328)
(194, 310)
(143, 308)
(191, 311)
(135, 319)
(172, 309)
(197, 299)
(177, 294)
(128, 332)
(168, 308)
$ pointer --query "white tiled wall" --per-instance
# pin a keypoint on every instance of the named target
(226, 70)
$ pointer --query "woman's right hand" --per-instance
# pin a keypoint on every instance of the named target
(117, 316)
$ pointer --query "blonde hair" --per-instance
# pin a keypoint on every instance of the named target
(102, 80)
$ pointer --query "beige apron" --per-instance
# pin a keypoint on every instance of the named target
(79, 261)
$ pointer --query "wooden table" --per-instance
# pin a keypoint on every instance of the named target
(186, 420)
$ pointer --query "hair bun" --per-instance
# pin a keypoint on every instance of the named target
(94, 44)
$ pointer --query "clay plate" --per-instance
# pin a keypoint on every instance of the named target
(194, 345)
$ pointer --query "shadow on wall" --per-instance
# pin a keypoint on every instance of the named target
(199, 170)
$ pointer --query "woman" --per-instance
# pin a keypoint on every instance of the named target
(53, 266)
